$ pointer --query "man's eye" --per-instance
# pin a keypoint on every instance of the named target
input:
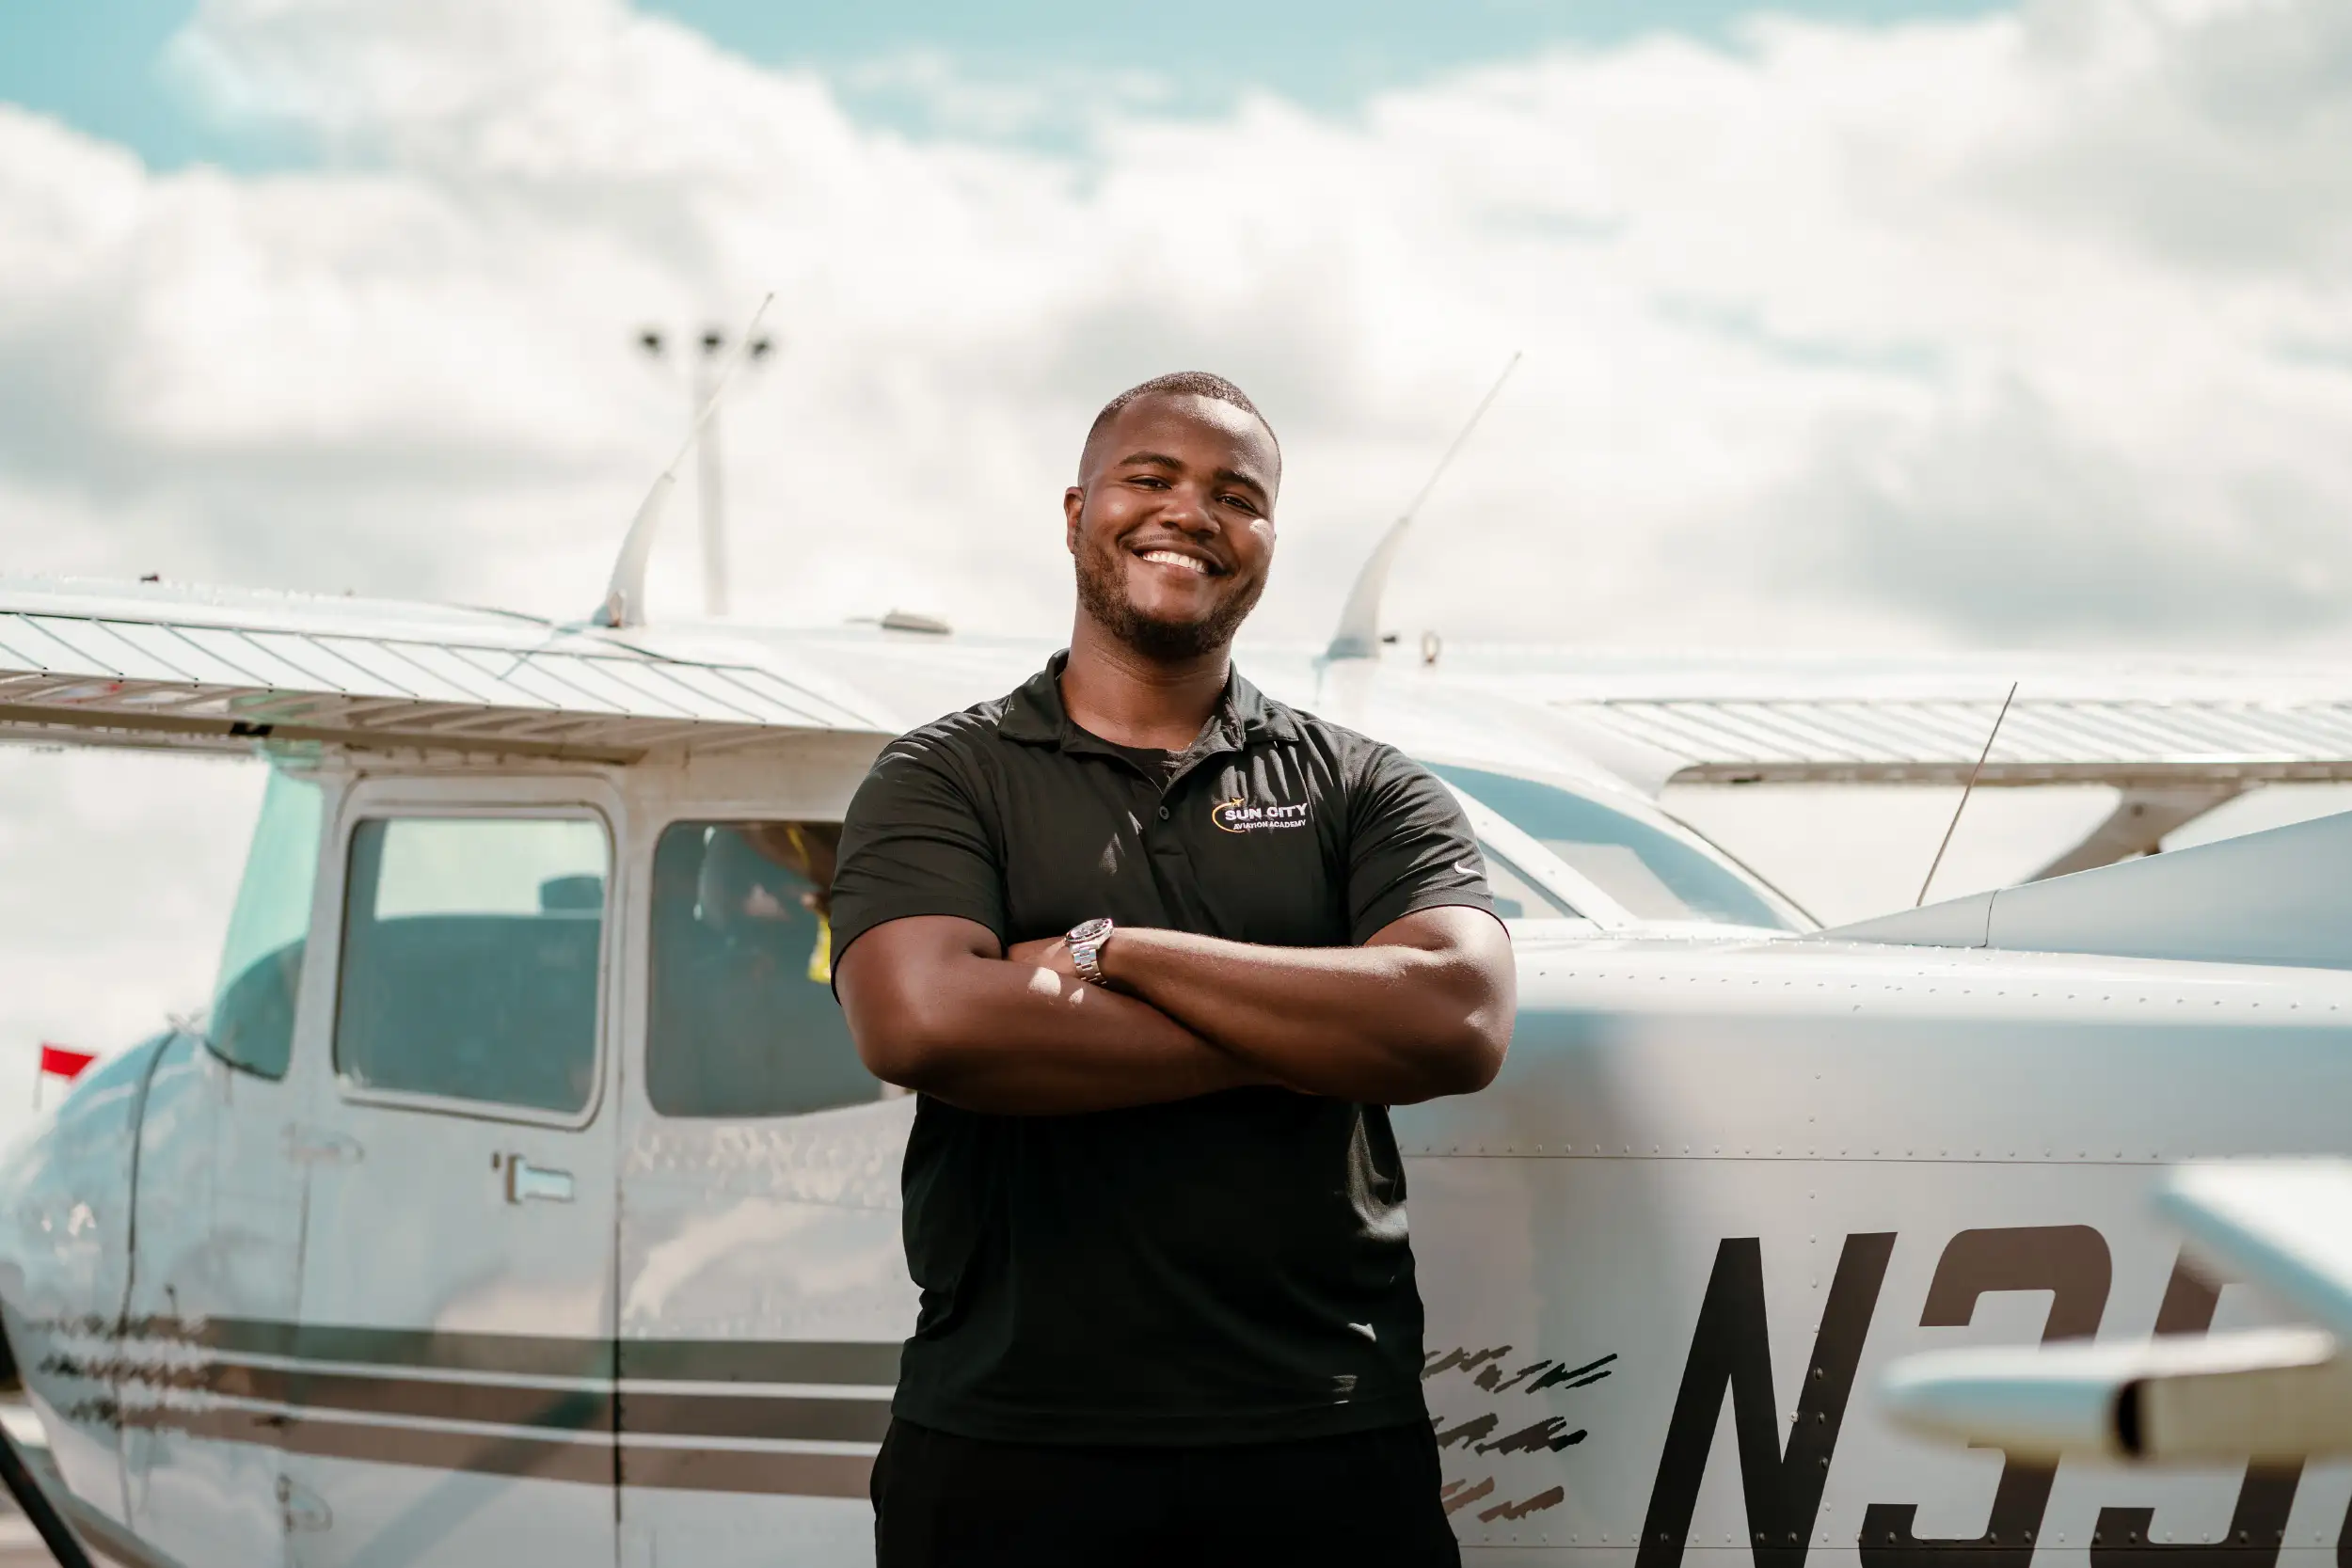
(1242, 502)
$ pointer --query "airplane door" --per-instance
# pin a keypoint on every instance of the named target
(455, 1353)
(763, 1290)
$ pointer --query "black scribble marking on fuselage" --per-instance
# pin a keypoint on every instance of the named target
(1570, 1374)
(1594, 1378)
(1453, 1496)
(1469, 1431)
(1468, 1360)
(1550, 1433)
(1505, 1385)
(1536, 1504)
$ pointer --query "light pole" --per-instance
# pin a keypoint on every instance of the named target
(708, 493)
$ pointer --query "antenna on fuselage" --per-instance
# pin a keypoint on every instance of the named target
(1359, 633)
(625, 596)
(1970, 788)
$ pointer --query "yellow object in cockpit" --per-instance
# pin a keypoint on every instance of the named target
(821, 956)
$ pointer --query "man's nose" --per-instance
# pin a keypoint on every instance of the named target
(1189, 510)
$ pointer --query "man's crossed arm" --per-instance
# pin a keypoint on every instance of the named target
(1423, 1009)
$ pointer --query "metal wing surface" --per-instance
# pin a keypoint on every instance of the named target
(2149, 724)
(186, 669)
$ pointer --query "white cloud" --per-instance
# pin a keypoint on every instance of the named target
(2058, 294)
(116, 872)
(2032, 327)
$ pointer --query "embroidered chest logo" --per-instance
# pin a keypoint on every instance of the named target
(1237, 817)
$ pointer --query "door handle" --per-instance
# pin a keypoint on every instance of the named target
(525, 1182)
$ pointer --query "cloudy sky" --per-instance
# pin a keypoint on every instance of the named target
(1847, 325)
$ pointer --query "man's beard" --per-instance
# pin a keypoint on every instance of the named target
(1103, 595)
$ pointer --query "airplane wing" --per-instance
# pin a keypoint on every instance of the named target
(1924, 718)
(2285, 1225)
(2128, 742)
(2176, 737)
(171, 667)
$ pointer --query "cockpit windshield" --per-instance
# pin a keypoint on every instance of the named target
(1653, 874)
(253, 1018)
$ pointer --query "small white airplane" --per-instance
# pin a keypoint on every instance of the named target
(521, 1200)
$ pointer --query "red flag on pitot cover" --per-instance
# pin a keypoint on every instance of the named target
(64, 1063)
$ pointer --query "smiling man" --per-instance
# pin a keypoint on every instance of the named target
(1157, 953)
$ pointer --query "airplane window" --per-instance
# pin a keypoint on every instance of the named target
(471, 952)
(743, 1022)
(252, 1016)
(1518, 897)
(1655, 874)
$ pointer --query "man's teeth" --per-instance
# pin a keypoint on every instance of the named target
(1170, 558)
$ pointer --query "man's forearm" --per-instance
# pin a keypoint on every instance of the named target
(1387, 1022)
(1013, 1040)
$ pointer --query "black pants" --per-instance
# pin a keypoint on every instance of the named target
(1368, 1499)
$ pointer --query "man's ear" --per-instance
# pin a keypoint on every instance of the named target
(1074, 502)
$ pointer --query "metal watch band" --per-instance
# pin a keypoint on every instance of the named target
(1085, 941)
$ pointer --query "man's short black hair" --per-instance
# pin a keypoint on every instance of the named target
(1196, 383)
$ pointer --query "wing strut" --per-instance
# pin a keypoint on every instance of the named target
(2138, 823)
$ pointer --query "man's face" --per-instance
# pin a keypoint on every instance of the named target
(1171, 523)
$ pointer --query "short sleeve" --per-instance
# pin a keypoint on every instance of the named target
(915, 842)
(1409, 847)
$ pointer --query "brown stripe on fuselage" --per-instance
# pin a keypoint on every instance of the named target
(823, 1420)
(515, 1355)
(433, 1399)
(590, 1460)
(763, 1470)
(866, 1363)
(588, 1409)
(592, 1409)
(861, 1362)
(424, 1376)
(593, 1461)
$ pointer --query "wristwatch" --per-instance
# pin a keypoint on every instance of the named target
(1085, 941)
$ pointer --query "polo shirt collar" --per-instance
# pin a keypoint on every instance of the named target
(1034, 715)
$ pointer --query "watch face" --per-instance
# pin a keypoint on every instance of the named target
(1093, 930)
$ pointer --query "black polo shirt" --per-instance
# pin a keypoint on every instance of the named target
(1226, 1269)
